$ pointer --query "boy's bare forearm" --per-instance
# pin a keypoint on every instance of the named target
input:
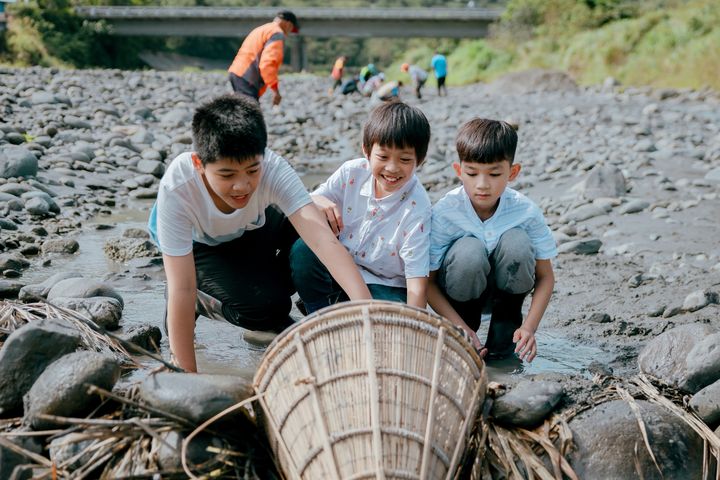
(440, 304)
(417, 292)
(181, 328)
(544, 284)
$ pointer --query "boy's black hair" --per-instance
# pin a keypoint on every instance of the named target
(486, 141)
(396, 124)
(230, 126)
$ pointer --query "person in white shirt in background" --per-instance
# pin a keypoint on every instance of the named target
(380, 211)
(225, 218)
(490, 243)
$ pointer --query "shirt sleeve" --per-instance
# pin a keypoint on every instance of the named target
(333, 188)
(415, 251)
(174, 226)
(440, 239)
(541, 237)
(286, 189)
(271, 58)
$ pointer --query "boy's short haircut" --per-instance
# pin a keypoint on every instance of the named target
(396, 124)
(230, 126)
(486, 141)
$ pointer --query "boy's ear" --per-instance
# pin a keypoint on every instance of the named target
(514, 171)
(458, 168)
(365, 154)
(197, 163)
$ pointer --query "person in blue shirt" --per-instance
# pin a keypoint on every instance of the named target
(490, 243)
(439, 66)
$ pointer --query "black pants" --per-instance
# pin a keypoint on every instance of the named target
(251, 274)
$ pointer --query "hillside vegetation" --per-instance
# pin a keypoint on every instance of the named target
(662, 43)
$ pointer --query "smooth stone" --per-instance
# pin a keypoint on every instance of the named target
(60, 245)
(83, 288)
(104, 311)
(30, 293)
(706, 403)
(528, 404)
(195, 397)
(61, 389)
(25, 355)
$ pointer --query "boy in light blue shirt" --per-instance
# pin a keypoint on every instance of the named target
(489, 242)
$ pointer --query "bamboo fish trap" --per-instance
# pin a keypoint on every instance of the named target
(370, 390)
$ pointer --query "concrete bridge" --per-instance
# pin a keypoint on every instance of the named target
(315, 22)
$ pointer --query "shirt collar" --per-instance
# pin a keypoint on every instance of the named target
(368, 190)
(471, 211)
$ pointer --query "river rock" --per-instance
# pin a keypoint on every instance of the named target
(607, 437)
(685, 357)
(105, 311)
(10, 288)
(527, 404)
(26, 353)
(603, 181)
(581, 247)
(17, 162)
(125, 249)
(61, 389)
(634, 206)
(60, 245)
(145, 336)
(699, 299)
(11, 461)
(583, 213)
(196, 397)
(83, 288)
(12, 261)
(70, 446)
(29, 293)
(706, 403)
(169, 448)
(37, 206)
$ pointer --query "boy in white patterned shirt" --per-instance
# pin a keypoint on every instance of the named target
(379, 210)
(490, 242)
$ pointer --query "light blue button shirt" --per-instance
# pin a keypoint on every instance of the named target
(453, 217)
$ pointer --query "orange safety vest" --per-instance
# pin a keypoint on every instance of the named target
(258, 61)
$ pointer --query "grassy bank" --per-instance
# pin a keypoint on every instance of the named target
(661, 44)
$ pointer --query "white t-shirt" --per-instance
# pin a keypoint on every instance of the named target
(184, 211)
(389, 238)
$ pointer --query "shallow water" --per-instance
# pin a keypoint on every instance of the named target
(220, 346)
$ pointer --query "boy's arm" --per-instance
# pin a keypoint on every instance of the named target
(441, 306)
(417, 292)
(331, 210)
(314, 230)
(182, 293)
(525, 335)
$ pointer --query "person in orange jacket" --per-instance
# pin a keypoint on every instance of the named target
(256, 65)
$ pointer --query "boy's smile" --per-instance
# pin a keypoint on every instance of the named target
(230, 183)
(484, 183)
(391, 168)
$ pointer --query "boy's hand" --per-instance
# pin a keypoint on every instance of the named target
(526, 347)
(479, 347)
(277, 98)
(331, 211)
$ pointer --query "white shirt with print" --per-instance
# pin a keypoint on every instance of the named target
(184, 211)
(389, 238)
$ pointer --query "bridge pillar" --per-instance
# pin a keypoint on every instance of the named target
(298, 60)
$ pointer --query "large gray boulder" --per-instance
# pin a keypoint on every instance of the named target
(82, 288)
(62, 388)
(17, 162)
(527, 404)
(685, 357)
(31, 292)
(26, 353)
(196, 397)
(707, 404)
(105, 311)
(607, 439)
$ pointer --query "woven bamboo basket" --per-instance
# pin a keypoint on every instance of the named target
(370, 389)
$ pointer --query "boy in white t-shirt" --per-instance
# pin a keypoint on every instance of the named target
(225, 218)
(379, 210)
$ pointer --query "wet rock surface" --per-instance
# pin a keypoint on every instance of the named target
(196, 397)
(62, 388)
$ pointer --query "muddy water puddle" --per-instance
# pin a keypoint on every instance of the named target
(221, 347)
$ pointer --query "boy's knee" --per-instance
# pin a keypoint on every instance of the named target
(465, 269)
(515, 262)
(301, 257)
